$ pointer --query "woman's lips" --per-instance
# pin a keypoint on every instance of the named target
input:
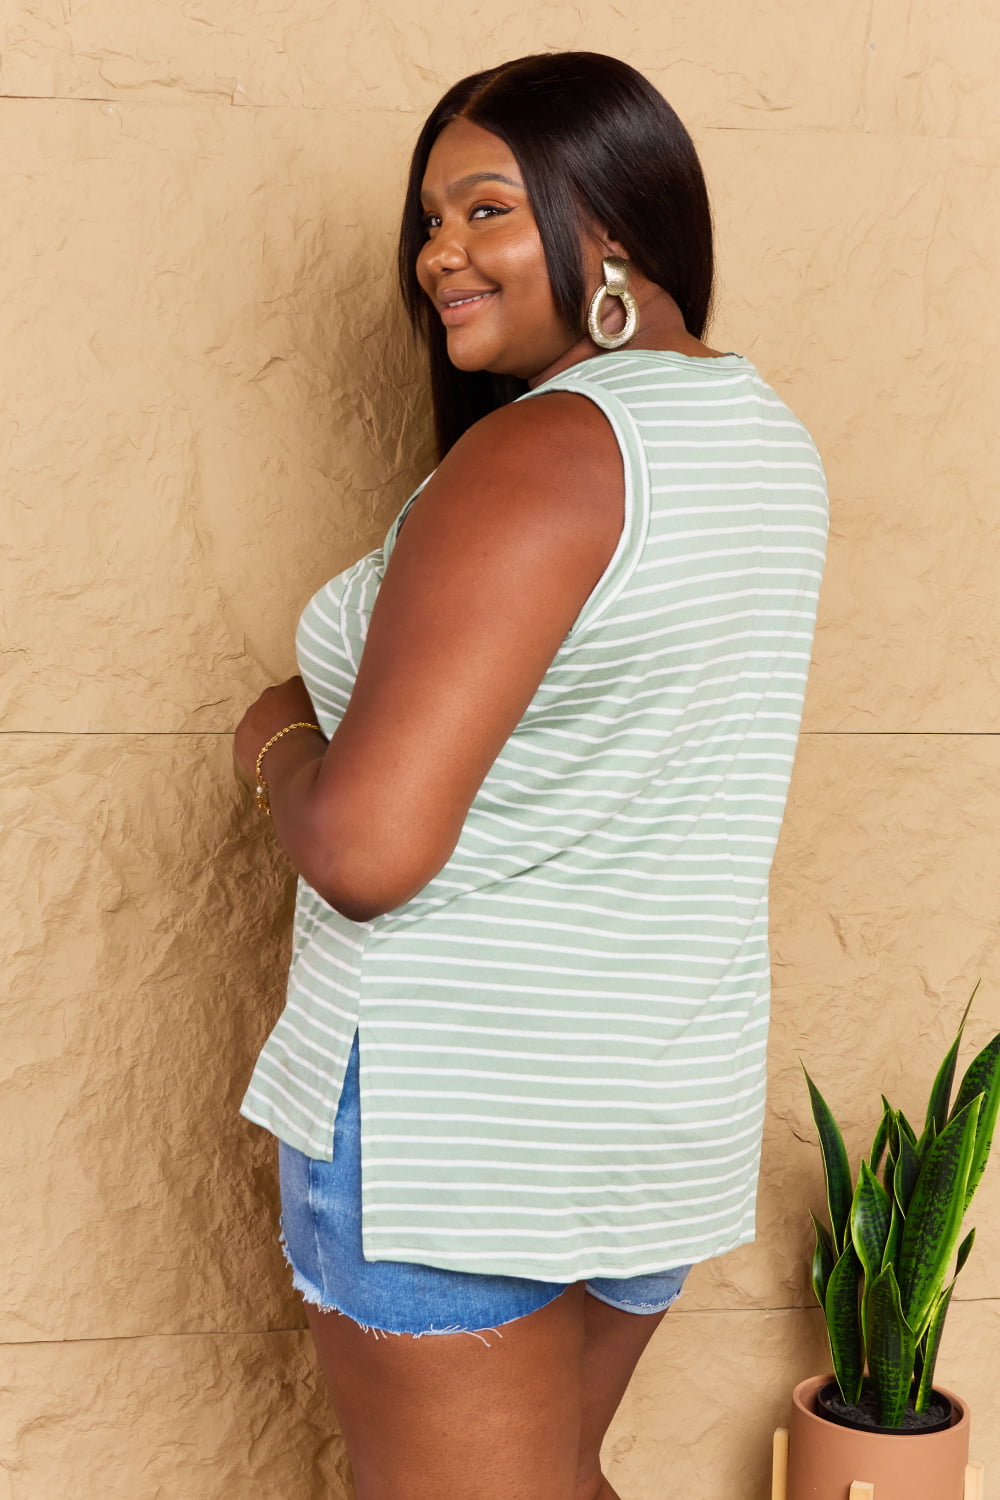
(461, 309)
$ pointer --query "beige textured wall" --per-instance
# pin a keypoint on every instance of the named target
(209, 408)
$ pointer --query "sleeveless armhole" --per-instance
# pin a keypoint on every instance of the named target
(393, 532)
(635, 523)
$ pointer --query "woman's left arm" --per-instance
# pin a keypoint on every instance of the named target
(489, 573)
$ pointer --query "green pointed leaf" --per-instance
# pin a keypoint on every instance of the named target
(905, 1128)
(889, 1175)
(927, 1350)
(871, 1215)
(968, 1003)
(927, 1139)
(982, 1077)
(881, 1138)
(892, 1349)
(934, 1218)
(907, 1171)
(965, 1250)
(891, 1251)
(843, 1324)
(940, 1095)
(823, 1261)
(835, 1166)
(929, 1346)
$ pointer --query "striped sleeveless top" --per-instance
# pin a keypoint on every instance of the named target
(563, 1035)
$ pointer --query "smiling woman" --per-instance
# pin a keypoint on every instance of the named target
(483, 264)
(532, 778)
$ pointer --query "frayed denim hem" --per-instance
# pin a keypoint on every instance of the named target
(643, 1309)
(311, 1294)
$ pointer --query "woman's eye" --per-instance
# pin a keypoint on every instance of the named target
(432, 222)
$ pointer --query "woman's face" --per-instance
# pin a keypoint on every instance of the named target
(482, 264)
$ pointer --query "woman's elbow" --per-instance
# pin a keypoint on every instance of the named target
(365, 884)
(360, 904)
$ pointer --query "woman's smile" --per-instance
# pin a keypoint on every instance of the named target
(457, 306)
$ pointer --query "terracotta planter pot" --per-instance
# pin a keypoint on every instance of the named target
(824, 1459)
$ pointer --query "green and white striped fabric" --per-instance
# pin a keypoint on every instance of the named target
(563, 1035)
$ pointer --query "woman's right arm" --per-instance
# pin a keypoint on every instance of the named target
(494, 564)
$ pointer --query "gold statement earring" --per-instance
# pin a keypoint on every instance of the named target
(615, 285)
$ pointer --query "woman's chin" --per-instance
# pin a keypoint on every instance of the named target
(473, 361)
(467, 354)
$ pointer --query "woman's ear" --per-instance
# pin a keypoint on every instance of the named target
(613, 246)
(598, 237)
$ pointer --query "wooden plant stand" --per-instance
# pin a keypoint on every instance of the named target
(860, 1489)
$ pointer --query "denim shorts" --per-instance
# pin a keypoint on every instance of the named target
(321, 1233)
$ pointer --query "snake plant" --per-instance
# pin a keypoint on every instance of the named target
(885, 1269)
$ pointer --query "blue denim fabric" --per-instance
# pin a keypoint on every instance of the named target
(321, 1225)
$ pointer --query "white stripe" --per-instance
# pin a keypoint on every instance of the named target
(398, 1070)
(698, 1147)
(586, 1103)
(397, 1248)
(612, 1038)
(512, 1210)
(374, 1049)
(666, 943)
(560, 1168)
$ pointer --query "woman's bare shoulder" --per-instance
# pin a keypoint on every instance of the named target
(547, 429)
(552, 455)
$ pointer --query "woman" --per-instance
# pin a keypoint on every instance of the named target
(534, 816)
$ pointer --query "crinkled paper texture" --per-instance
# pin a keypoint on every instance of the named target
(210, 406)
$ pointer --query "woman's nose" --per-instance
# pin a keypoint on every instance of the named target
(445, 252)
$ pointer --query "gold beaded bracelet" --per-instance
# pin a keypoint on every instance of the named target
(260, 791)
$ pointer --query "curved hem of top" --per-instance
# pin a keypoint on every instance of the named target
(264, 1118)
(312, 1294)
(530, 1269)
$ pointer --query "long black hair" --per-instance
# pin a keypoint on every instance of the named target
(594, 140)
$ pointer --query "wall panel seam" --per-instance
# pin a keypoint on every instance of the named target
(222, 100)
(259, 1333)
